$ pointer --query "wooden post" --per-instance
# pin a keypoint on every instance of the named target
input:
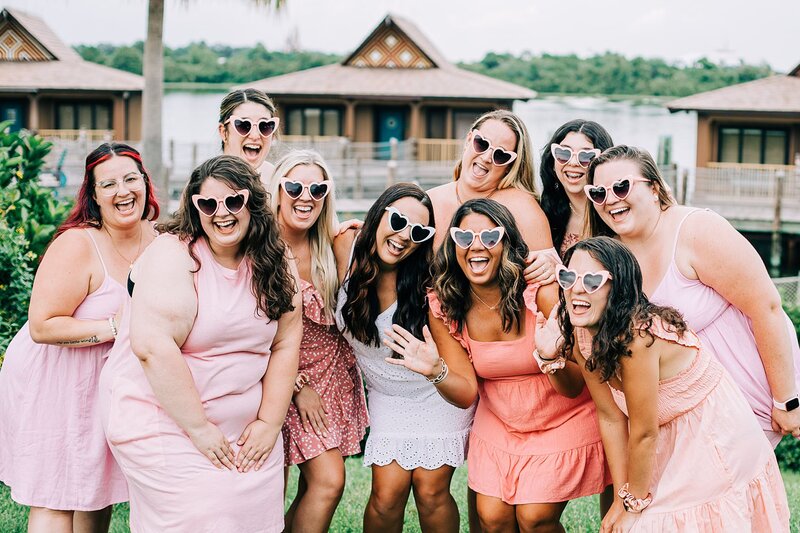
(776, 249)
(358, 189)
(172, 155)
(684, 186)
(391, 165)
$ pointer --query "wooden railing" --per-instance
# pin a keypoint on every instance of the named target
(91, 136)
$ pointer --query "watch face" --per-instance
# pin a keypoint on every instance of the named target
(793, 404)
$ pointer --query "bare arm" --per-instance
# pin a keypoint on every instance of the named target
(567, 381)
(342, 245)
(535, 229)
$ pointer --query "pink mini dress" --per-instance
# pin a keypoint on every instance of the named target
(174, 487)
(529, 444)
(714, 469)
(327, 359)
(53, 453)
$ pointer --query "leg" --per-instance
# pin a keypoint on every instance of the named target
(288, 519)
(387, 501)
(437, 508)
(92, 521)
(540, 517)
(472, 511)
(42, 520)
(324, 480)
(606, 500)
(495, 515)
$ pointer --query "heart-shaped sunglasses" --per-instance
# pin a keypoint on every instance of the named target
(243, 126)
(464, 238)
(398, 222)
(500, 156)
(591, 281)
(564, 154)
(317, 190)
(209, 205)
(621, 188)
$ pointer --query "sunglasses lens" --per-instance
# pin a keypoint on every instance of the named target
(479, 144)
(584, 158)
(242, 127)
(592, 282)
(463, 238)
(597, 195)
(566, 278)
(420, 233)
(266, 127)
(293, 189)
(621, 188)
(562, 155)
(397, 222)
(318, 190)
(234, 203)
(490, 238)
(501, 157)
(207, 206)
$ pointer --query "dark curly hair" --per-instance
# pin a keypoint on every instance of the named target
(413, 274)
(554, 201)
(452, 286)
(273, 284)
(627, 312)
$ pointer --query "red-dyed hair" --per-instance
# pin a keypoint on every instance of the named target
(86, 212)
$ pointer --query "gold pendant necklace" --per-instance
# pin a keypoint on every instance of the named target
(138, 248)
(491, 307)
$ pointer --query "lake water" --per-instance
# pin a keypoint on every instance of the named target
(191, 117)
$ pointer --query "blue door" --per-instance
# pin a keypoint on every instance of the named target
(13, 110)
(391, 122)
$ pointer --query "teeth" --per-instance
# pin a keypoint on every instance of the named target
(574, 175)
(618, 210)
(396, 246)
(226, 224)
(479, 170)
(303, 208)
(581, 304)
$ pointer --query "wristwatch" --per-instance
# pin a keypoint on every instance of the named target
(789, 405)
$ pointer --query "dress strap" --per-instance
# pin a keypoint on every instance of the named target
(97, 248)
(350, 256)
(678, 231)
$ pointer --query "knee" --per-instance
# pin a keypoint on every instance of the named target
(537, 520)
(329, 486)
(388, 500)
(431, 497)
(496, 522)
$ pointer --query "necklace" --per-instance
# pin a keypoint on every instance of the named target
(460, 201)
(138, 248)
(491, 307)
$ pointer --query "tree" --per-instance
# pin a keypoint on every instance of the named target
(152, 150)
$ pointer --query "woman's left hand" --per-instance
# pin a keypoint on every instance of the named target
(419, 356)
(541, 266)
(548, 334)
(352, 223)
(613, 518)
(786, 422)
(257, 441)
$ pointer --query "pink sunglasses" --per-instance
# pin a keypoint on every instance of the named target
(591, 281)
(500, 157)
(621, 188)
(564, 154)
(209, 205)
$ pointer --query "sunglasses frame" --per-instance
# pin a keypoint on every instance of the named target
(394, 211)
(477, 235)
(588, 188)
(573, 153)
(328, 186)
(221, 201)
(605, 276)
(491, 148)
(253, 123)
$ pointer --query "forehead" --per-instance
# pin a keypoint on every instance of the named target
(306, 173)
(577, 140)
(413, 209)
(610, 172)
(214, 187)
(582, 261)
(498, 133)
(252, 110)
(476, 222)
(115, 167)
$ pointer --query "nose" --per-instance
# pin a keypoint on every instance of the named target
(477, 244)
(305, 195)
(578, 287)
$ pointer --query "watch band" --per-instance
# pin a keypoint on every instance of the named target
(789, 405)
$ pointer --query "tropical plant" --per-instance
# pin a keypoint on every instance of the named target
(16, 280)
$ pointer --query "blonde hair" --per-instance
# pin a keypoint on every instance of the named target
(521, 174)
(323, 262)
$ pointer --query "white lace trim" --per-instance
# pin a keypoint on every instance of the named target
(429, 452)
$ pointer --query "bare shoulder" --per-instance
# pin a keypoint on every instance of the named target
(519, 202)
(73, 247)
(342, 244)
(167, 252)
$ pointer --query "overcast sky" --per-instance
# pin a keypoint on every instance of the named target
(676, 30)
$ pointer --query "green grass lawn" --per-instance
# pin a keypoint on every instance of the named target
(581, 515)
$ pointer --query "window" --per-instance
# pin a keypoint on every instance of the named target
(437, 123)
(83, 115)
(314, 121)
(754, 146)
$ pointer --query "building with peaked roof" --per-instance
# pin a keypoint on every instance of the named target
(46, 86)
(395, 84)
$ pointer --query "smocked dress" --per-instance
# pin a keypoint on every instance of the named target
(714, 470)
(328, 360)
(174, 487)
(529, 444)
(53, 452)
(728, 333)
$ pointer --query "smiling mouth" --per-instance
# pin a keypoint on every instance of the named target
(618, 212)
(225, 226)
(478, 265)
(125, 206)
(395, 247)
(251, 150)
(574, 176)
(479, 170)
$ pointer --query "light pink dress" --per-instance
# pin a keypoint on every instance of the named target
(714, 469)
(53, 452)
(173, 487)
(728, 333)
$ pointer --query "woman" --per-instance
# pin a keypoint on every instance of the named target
(565, 163)
(195, 391)
(247, 127)
(685, 452)
(53, 453)
(497, 163)
(328, 415)
(695, 261)
(531, 450)
(416, 439)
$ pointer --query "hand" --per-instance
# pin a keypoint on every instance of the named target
(212, 443)
(312, 411)
(421, 357)
(353, 223)
(548, 334)
(613, 518)
(256, 443)
(786, 423)
(541, 266)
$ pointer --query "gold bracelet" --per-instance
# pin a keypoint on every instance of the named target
(442, 374)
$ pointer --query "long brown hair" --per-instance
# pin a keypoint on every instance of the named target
(273, 284)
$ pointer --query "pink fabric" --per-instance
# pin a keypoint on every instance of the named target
(714, 469)
(570, 239)
(728, 333)
(173, 487)
(328, 360)
(53, 452)
(528, 443)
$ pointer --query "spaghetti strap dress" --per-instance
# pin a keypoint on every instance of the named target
(727, 333)
(173, 486)
(529, 444)
(714, 469)
(53, 453)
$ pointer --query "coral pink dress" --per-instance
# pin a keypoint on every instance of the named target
(528, 444)
(714, 469)
(328, 360)
(53, 452)
(174, 487)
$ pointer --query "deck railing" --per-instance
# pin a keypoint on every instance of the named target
(90, 136)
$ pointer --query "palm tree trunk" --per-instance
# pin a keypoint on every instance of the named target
(151, 101)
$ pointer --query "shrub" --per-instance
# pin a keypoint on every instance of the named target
(788, 453)
(16, 280)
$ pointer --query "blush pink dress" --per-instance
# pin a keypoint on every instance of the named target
(173, 487)
(529, 444)
(53, 452)
(714, 469)
(328, 360)
(728, 333)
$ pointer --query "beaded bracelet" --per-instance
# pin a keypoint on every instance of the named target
(549, 366)
(631, 503)
(113, 326)
(442, 374)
